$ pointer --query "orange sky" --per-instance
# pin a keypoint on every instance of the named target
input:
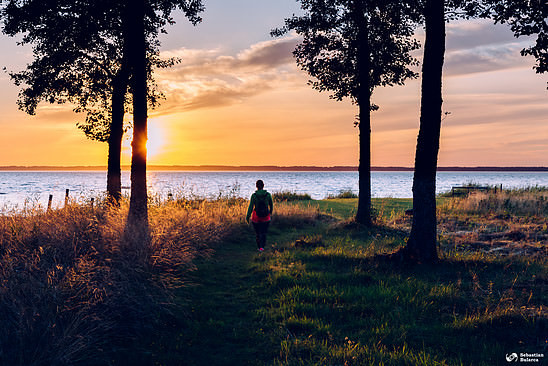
(244, 102)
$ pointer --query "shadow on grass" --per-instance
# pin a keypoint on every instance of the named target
(337, 303)
(469, 311)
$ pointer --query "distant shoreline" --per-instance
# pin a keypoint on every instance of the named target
(272, 168)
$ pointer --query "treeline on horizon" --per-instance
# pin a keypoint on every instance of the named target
(275, 168)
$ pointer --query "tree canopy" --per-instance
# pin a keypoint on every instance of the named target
(81, 57)
(329, 50)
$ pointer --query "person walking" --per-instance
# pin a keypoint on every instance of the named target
(260, 211)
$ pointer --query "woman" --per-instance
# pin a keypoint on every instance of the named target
(260, 212)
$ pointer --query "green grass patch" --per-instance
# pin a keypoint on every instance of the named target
(345, 208)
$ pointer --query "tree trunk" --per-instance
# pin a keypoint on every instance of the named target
(114, 179)
(422, 243)
(138, 213)
(363, 214)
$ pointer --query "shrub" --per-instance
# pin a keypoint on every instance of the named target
(287, 196)
(343, 194)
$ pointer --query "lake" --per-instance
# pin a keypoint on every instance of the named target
(19, 188)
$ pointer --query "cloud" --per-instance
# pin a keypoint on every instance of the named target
(481, 46)
(462, 35)
(485, 59)
(207, 78)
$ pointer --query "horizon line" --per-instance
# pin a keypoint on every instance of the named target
(265, 168)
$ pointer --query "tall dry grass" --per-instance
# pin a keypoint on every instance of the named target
(72, 290)
(524, 202)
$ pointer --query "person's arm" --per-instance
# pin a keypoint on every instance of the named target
(270, 203)
(250, 208)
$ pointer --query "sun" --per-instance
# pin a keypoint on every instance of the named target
(156, 138)
(155, 142)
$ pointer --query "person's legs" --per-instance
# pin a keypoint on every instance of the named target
(261, 229)
(258, 228)
(264, 231)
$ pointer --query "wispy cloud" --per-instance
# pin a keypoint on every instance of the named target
(466, 34)
(485, 59)
(207, 78)
(481, 46)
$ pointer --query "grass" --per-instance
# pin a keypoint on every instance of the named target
(335, 303)
(319, 295)
(529, 202)
(345, 208)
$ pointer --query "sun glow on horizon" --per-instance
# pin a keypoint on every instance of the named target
(155, 138)
(156, 141)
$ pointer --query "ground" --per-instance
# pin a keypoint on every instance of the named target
(319, 295)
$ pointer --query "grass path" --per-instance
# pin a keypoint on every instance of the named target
(225, 327)
(222, 325)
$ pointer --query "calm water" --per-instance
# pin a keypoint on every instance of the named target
(20, 188)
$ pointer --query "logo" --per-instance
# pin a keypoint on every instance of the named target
(512, 357)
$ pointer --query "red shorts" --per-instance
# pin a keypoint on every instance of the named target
(255, 218)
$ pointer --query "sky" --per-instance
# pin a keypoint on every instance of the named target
(237, 98)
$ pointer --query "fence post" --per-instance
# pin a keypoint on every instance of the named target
(66, 197)
(49, 201)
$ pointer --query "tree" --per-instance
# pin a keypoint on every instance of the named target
(525, 18)
(349, 48)
(142, 19)
(79, 58)
(422, 243)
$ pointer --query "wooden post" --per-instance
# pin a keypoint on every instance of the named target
(66, 197)
(92, 200)
(49, 201)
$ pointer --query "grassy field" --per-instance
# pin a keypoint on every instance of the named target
(319, 295)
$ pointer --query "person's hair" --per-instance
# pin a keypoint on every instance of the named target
(259, 184)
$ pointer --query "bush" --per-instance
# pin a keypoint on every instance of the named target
(343, 194)
(286, 196)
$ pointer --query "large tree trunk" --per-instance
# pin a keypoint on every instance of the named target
(114, 179)
(363, 214)
(138, 214)
(422, 243)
